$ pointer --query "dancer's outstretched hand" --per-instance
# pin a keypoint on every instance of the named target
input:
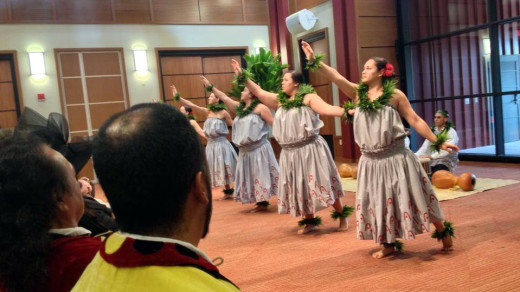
(449, 147)
(236, 67)
(205, 81)
(309, 52)
(174, 90)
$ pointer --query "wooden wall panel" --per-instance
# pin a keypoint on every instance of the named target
(70, 65)
(77, 118)
(188, 85)
(4, 11)
(8, 119)
(81, 11)
(325, 92)
(297, 5)
(5, 71)
(183, 11)
(103, 89)
(73, 90)
(135, 11)
(181, 65)
(32, 11)
(99, 113)
(376, 8)
(315, 78)
(377, 31)
(221, 81)
(256, 11)
(218, 64)
(132, 11)
(101, 64)
(7, 96)
(212, 11)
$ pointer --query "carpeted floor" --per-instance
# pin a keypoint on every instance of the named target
(262, 251)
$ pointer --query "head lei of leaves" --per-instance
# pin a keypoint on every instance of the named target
(264, 68)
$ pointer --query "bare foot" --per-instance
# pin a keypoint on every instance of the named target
(384, 252)
(226, 197)
(447, 243)
(343, 224)
(258, 208)
(307, 228)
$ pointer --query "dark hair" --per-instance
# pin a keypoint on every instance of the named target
(381, 64)
(188, 109)
(31, 182)
(443, 112)
(297, 77)
(146, 159)
(6, 136)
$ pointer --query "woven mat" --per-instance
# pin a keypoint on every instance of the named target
(483, 184)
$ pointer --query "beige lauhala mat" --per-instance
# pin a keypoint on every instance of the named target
(483, 184)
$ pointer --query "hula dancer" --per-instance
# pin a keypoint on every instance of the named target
(256, 178)
(221, 156)
(395, 199)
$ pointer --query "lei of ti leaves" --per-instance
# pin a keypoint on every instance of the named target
(348, 105)
(191, 117)
(316, 63)
(216, 107)
(365, 104)
(177, 96)
(209, 88)
(242, 112)
(441, 137)
(297, 102)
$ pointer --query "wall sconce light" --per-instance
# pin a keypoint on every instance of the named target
(37, 63)
(257, 49)
(141, 63)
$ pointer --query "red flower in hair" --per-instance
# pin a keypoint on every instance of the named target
(389, 70)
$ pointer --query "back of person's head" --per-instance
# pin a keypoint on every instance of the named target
(6, 136)
(31, 182)
(146, 159)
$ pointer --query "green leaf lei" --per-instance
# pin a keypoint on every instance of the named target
(315, 64)
(191, 117)
(447, 127)
(246, 75)
(242, 112)
(348, 105)
(216, 107)
(177, 96)
(442, 137)
(209, 88)
(366, 105)
(303, 89)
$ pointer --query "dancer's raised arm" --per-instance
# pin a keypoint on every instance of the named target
(347, 87)
(186, 102)
(317, 104)
(407, 112)
(270, 99)
(228, 101)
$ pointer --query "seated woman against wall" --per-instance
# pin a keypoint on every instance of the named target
(41, 246)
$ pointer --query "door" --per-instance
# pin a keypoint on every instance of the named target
(10, 100)
(93, 87)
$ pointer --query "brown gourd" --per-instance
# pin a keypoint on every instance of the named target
(444, 179)
(347, 170)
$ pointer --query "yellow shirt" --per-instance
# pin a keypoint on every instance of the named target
(127, 264)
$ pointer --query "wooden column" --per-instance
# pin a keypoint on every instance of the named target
(279, 37)
(344, 12)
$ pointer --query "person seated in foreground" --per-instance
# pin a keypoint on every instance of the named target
(152, 167)
(41, 246)
(441, 160)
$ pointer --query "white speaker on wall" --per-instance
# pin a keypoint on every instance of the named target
(300, 21)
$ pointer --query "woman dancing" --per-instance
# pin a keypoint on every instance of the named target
(309, 180)
(256, 178)
(395, 199)
(221, 156)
